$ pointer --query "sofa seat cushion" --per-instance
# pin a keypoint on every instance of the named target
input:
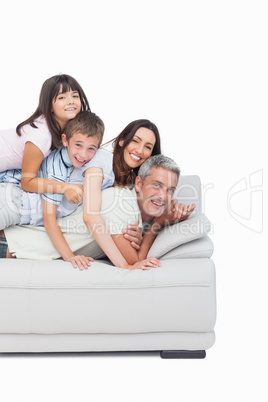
(52, 297)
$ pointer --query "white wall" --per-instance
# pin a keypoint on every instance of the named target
(198, 69)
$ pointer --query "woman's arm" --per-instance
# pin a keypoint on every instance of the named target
(32, 159)
(96, 225)
(58, 240)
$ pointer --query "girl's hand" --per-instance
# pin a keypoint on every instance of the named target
(146, 264)
(73, 192)
(80, 261)
(133, 233)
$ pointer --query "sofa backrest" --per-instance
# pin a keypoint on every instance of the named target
(188, 191)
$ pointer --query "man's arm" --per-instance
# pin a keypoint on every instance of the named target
(129, 253)
(58, 240)
(177, 213)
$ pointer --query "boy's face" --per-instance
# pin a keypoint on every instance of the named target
(81, 148)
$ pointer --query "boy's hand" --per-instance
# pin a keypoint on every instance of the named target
(133, 233)
(80, 261)
(73, 192)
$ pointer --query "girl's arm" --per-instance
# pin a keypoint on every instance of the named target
(96, 225)
(58, 240)
(32, 159)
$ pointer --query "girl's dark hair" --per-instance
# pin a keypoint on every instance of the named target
(123, 174)
(49, 92)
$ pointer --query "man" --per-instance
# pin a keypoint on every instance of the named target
(149, 201)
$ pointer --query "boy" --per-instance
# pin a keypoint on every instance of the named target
(82, 138)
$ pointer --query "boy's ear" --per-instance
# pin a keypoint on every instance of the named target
(64, 140)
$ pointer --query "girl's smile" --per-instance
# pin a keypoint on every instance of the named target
(66, 106)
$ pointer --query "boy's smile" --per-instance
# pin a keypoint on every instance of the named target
(81, 148)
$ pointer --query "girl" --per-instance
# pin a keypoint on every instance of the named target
(61, 98)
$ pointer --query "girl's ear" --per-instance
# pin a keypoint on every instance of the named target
(64, 140)
(121, 143)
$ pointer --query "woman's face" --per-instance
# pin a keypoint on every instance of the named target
(140, 147)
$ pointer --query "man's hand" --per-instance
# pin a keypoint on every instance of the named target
(181, 211)
(174, 213)
(73, 193)
(133, 233)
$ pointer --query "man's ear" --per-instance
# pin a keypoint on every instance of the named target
(138, 184)
(64, 140)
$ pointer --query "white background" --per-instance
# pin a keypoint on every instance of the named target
(198, 69)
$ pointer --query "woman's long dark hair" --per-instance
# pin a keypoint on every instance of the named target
(124, 175)
(49, 92)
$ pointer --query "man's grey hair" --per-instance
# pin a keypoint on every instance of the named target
(158, 161)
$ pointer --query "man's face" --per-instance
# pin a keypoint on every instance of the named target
(155, 194)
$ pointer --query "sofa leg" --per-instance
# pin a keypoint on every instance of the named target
(183, 354)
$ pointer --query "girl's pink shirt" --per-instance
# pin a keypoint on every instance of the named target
(12, 146)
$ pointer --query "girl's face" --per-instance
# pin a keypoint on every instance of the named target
(66, 106)
(140, 147)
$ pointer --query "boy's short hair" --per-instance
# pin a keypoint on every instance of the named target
(86, 123)
(158, 161)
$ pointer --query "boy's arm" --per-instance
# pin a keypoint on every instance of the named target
(97, 226)
(31, 163)
(58, 240)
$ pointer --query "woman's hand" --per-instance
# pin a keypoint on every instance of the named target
(80, 261)
(73, 192)
(133, 233)
(146, 264)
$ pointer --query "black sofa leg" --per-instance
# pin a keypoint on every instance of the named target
(183, 354)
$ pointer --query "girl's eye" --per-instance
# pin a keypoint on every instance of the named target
(134, 141)
(148, 147)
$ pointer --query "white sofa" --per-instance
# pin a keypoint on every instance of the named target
(48, 306)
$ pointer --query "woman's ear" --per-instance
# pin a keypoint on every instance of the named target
(121, 143)
(64, 140)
